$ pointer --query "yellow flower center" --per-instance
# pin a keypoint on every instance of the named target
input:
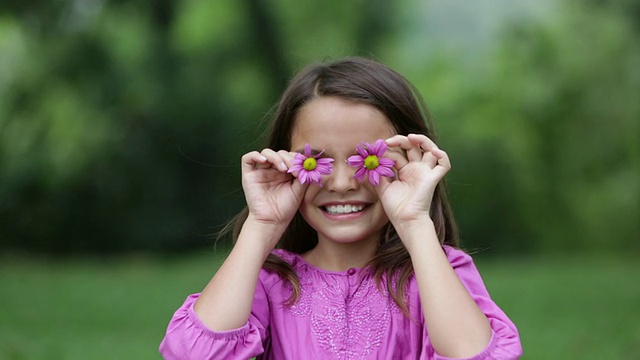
(309, 163)
(371, 162)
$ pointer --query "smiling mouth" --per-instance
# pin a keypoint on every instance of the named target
(343, 209)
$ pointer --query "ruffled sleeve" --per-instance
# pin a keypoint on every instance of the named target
(505, 341)
(188, 338)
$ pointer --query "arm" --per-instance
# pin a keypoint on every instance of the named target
(272, 199)
(457, 327)
(505, 341)
(229, 319)
(225, 303)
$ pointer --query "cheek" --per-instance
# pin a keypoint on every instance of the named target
(310, 195)
(369, 188)
(308, 209)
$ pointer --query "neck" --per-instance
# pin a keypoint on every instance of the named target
(340, 257)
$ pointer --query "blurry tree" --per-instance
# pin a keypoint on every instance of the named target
(580, 139)
(629, 9)
(546, 141)
(122, 122)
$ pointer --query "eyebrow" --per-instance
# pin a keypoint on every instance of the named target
(313, 151)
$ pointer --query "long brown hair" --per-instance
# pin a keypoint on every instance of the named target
(366, 81)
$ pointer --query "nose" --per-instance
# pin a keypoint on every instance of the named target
(341, 179)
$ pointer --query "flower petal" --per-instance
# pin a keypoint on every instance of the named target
(383, 161)
(303, 176)
(360, 174)
(374, 178)
(294, 168)
(307, 150)
(355, 160)
(362, 149)
(325, 161)
(324, 169)
(297, 162)
(385, 171)
(315, 177)
(378, 148)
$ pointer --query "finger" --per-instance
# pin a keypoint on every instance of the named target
(432, 154)
(382, 186)
(287, 156)
(299, 189)
(276, 159)
(422, 141)
(398, 156)
(413, 152)
(430, 159)
(252, 160)
(443, 159)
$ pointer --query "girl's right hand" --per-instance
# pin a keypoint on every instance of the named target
(273, 196)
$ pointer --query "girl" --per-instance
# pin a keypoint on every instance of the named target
(350, 192)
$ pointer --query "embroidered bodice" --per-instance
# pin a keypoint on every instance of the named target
(348, 314)
(339, 315)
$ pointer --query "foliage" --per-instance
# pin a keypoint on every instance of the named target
(122, 123)
(544, 133)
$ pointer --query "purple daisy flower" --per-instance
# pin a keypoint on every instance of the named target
(311, 168)
(370, 162)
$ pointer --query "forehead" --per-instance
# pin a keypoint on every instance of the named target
(336, 125)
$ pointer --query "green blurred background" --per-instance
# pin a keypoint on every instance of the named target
(122, 124)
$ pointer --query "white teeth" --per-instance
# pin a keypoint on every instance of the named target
(343, 209)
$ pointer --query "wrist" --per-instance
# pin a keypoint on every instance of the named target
(418, 224)
(417, 232)
(261, 233)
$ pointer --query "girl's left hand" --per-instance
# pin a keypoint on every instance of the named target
(420, 166)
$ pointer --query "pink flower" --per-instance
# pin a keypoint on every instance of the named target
(311, 168)
(370, 162)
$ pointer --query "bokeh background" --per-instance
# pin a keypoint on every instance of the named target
(122, 124)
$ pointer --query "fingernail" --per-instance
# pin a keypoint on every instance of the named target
(283, 166)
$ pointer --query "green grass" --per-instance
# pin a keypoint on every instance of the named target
(93, 308)
(581, 308)
(585, 308)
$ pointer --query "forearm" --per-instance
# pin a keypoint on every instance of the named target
(225, 303)
(457, 327)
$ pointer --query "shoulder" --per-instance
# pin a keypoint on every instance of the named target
(466, 269)
(287, 256)
(457, 257)
(270, 277)
(461, 262)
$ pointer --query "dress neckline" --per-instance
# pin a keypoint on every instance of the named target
(303, 262)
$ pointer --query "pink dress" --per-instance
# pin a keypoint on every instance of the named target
(340, 315)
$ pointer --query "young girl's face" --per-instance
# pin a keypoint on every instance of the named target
(337, 126)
